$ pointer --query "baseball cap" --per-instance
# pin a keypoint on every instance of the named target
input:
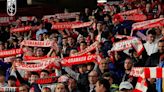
(125, 85)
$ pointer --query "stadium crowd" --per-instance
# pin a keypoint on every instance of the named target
(108, 71)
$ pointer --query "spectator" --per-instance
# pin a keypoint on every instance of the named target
(111, 79)
(11, 81)
(39, 52)
(2, 79)
(40, 32)
(102, 67)
(158, 33)
(60, 87)
(72, 85)
(24, 88)
(93, 78)
(71, 42)
(44, 74)
(151, 45)
(46, 89)
(128, 64)
(110, 25)
(102, 85)
(1, 45)
(81, 77)
(153, 60)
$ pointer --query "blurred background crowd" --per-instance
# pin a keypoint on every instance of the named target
(111, 74)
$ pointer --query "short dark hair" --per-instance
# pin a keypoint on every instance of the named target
(46, 71)
(34, 73)
(152, 32)
(12, 78)
(105, 83)
(84, 42)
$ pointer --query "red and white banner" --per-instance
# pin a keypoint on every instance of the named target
(130, 12)
(32, 67)
(62, 15)
(35, 43)
(12, 52)
(147, 72)
(137, 71)
(64, 25)
(66, 15)
(143, 73)
(122, 45)
(141, 85)
(47, 80)
(70, 25)
(33, 58)
(9, 89)
(127, 44)
(68, 61)
(83, 24)
(134, 17)
(5, 19)
(27, 18)
(138, 46)
(42, 59)
(148, 24)
(20, 29)
(88, 49)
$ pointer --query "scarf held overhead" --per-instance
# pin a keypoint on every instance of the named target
(88, 49)
(35, 43)
(69, 61)
(70, 25)
(39, 66)
(148, 24)
(130, 43)
(12, 52)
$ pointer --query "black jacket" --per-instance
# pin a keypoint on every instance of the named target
(153, 60)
